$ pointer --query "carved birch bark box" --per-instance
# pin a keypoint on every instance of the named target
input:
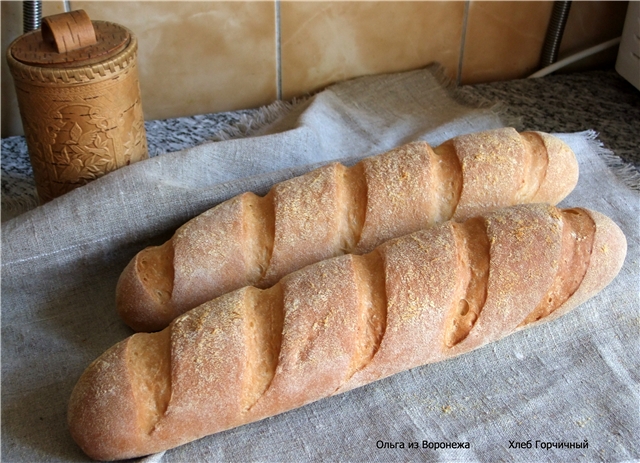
(79, 100)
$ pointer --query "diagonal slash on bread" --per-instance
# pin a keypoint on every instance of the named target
(340, 324)
(253, 240)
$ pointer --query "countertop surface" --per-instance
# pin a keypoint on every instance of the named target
(602, 101)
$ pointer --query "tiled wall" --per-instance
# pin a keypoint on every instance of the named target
(209, 56)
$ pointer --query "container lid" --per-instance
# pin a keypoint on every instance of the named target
(69, 40)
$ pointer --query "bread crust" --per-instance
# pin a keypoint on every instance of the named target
(137, 303)
(102, 408)
(251, 240)
(561, 172)
(340, 324)
(606, 259)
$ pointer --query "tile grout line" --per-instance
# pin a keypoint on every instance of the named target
(465, 18)
(278, 53)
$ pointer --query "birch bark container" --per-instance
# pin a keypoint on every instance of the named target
(79, 100)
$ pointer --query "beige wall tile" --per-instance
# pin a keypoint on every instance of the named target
(504, 39)
(209, 56)
(11, 30)
(591, 23)
(325, 42)
(51, 7)
(198, 57)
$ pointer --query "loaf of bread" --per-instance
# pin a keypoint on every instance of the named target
(252, 240)
(342, 323)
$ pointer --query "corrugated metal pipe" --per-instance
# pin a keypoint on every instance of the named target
(555, 32)
(31, 15)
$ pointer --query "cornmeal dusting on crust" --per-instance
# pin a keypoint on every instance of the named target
(326, 328)
(420, 274)
(401, 197)
(334, 210)
(208, 352)
(307, 221)
(319, 336)
(493, 168)
(207, 263)
(578, 231)
(520, 272)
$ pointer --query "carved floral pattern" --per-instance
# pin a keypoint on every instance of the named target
(78, 133)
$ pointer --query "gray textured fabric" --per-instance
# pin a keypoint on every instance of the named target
(572, 380)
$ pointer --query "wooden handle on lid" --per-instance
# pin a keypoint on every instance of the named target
(69, 31)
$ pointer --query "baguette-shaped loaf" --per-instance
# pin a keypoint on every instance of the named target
(252, 240)
(342, 323)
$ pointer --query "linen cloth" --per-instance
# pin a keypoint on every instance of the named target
(573, 380)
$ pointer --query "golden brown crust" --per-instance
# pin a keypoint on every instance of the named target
(340, 324)
(561, 173)
(421, 274)
(492, 164)
(258, 223)
(400, 197)
(608, 251)
(578, 232)
(136, 301)
(102, 412)
(307, 221)
(333, 210)
(473, 246)
(319, 336)
(525, 247)
(205, 257)
(148, 360)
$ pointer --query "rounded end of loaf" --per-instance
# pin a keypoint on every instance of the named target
(101, 414)
(608, 253)
(609, 250)
(562, 171)
(140, 306)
